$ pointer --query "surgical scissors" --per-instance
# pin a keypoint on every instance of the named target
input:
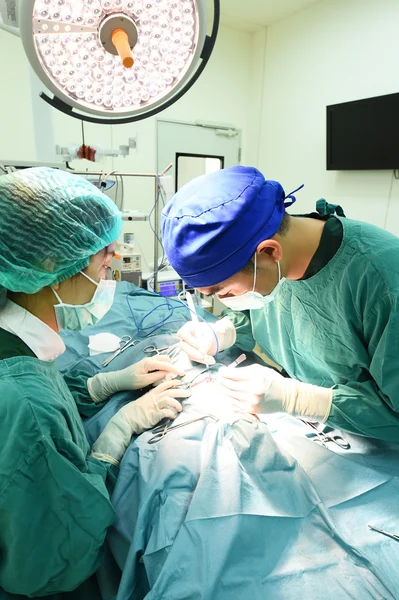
(162, 429)
(323, 438)
(390, 535)
(127, 342)
(153, 350)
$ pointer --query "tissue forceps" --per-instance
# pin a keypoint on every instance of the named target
(390, 535)
(162, 429)
(127, 342)
(323, 438)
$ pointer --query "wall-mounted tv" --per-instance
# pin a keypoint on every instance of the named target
(364, 134)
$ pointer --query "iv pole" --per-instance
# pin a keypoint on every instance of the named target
(156, 177)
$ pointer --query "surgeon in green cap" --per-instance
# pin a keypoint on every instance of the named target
(57, 234)
(317, 293)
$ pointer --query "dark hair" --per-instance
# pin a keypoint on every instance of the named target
(283, 230)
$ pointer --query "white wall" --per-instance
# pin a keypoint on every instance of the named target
(224, 93)
(335, 51)
(16, 117)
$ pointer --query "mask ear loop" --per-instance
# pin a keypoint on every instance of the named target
(254, 285)
(279, 271)
(57, 296)
(89, 278)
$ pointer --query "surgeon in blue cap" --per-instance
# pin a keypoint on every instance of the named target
(318, 294)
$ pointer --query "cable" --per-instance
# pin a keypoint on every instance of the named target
(116, 191)
(155, 207)
(142, 254)
(144, 331)
(123, 193)
(389, 197)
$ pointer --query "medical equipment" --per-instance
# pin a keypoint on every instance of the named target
(237, 361)
(134, 215)
(126, 265)
(194, 318)
(390, 535)
(127, 342)
(323, 438)
(115, 61)
(169, 283)
(153, 350)
(161, 430)
(207, 371)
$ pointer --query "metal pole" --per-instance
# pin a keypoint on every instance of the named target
(157, 206)
(118, 173)
(156, 228)
(156, 223)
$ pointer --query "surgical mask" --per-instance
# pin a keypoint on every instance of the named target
(79, 316)
(253, 300)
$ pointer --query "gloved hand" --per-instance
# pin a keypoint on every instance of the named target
(137, 376)
(198, 340)
(261, 390)
(136, 417)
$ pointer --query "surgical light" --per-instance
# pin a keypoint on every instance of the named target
(116, 61)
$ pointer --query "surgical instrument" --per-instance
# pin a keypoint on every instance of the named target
(194, 318)
(237, 361)
(390, 535)
(128, 342)
(323, 438)
(232, 365)
(162, 429)
(153, 350)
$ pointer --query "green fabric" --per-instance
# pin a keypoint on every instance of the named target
(325, 209)
(11, 346)
(51, 223)
(54, 503)
(340, 329)
(77, 384)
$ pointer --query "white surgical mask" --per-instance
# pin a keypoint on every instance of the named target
(79, 316)
(253, 300)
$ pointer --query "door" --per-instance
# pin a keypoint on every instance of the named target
(196, 150)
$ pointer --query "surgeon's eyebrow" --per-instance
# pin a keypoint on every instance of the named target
(213, 290)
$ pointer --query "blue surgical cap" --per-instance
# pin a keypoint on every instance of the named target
(51, 223)
(213, 225)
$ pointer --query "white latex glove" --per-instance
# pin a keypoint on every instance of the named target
(137, 376)
(198, 340)
(136, 417)
(261, 390)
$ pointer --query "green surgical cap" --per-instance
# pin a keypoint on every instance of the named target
(51, 223)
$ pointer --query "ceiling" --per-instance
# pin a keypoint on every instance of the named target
(259, 13)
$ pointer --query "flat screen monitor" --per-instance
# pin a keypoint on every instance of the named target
(363, 134)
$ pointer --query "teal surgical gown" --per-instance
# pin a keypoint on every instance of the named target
(340, 329)
(54, 503)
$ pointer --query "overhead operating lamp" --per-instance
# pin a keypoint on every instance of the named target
(115, 61)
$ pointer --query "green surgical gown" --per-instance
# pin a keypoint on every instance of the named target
(54, 503)
(340, 329)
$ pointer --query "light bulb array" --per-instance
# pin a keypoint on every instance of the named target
(69, 48)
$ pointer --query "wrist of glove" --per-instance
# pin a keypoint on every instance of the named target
(140, 375)
(136, 417)
(262, 390)
(201, 341)
(226, 333)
